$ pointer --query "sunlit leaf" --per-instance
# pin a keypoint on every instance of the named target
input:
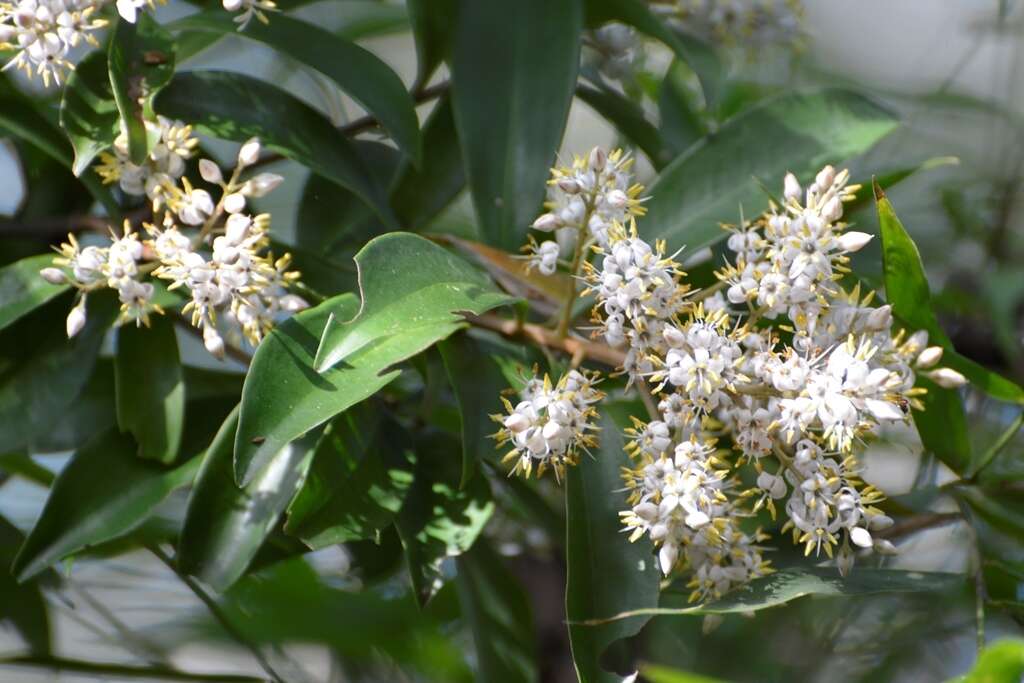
(88, 112)
(22, 289)
(1000, 662)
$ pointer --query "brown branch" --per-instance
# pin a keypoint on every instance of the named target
(573, 346)
(920, 523)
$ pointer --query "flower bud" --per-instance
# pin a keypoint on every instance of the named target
(791, 187)
(516, 422)
(617, 199)
(55, 276)
(884, 546)
(929, 357)
(598, 159)
(825, 178)
(568, 186)
(249, 154)
(76, 319)
(261, 185)
(667, 556)
(232, 5)
(293, 303)
(833, 210)
(547, 223)
(213, 342)
(210, 172)
(853, 240)
(673, 336)
(880, 318)
(861, 536)
(234, 202)
(947, 378)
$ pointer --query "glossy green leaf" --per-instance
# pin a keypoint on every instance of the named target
(411, 289)
(629, 119)
(141, 61)
(510, 134)
(680, 123)
(104, 491)
(474, 370)
(21, 605)
(20, 117)
(22, 289)
(246, 107)
(150, 388)
(497, 611)
(225, 525)
(88, 112)
(716, 176)
(606, 574)
(1000, 662)
(42, 379)
(432, 24)
(439, 520)
(663, 674)
(361, 473)
(358, 72)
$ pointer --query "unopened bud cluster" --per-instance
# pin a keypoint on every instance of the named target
(775, 377)
(751, 23)
(215, 251)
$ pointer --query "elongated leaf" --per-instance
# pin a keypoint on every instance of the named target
(44, 377)
(663, 674)
(21, 605)
(246, 107)
(22, 289)
(19, 117)
(438, 519)
(680, 123)
(150, 388)
(606, 574)
(225, 525)
(88, 113)
(358, 72)
(103, 492)
(411, 289)
(629, 119)
(432, 24)
(360, 476)
(141, 61)
(510, 135)
(498, 614)
(709, 183)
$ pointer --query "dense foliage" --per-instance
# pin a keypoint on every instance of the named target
(695, 370)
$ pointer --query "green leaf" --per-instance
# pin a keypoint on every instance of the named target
(246, 107)
(19, 117)
(681, 125)
(358, 72)
(41, 380)
(411, 289)
(150, 388)
(606, 574)
(663, 674)
(497, 612)
(21, 605)
(474, 370)
(22, 289)
(225, 525)
(88, 112)
(510, 135)
(1000, 662)
(104, 491)
(438, 519)
(629, 119)
(709, 183)
(360, 476)
(432, 25)
(141, 61)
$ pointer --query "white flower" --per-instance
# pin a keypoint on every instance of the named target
(76, 319)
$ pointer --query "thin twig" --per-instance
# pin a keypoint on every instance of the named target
(217, 612)
(920, 523)
(537, 334)
(233, 351)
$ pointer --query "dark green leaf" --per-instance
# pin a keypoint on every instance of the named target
(709, 183)
(438, 519)
(510, 134)
(681, 125)
(606, 574)
(141, 61)
(150, 388)
(629, 119)
(21, 605)
(104, 491)
(93, 411)
(19, 117)
(88, 113)
(225, 525)
(497, 612)
(246, 107)
(410, 287)
(432, 24)
(22, 289)
(360, 476)
(359, 73)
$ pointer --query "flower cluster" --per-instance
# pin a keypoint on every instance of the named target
(551, 423)
(224, 266)
(162, 168)
(774, 376)
(613, 50)
(734, 22)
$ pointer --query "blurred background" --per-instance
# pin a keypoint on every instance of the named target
(955, 71)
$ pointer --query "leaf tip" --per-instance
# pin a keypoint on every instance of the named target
(877, 189)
